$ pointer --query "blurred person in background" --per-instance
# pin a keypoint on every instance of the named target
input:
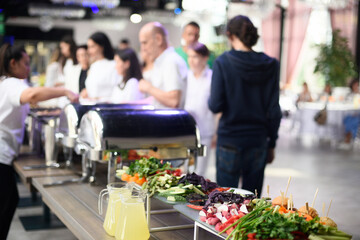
(326, 94)
(128, 67)
(190, 36)
(124, 44)
(68, 50)
(351, 122)
(15, 97)
(305, 95)
(147, 65)
(54, 74)
(197, 96)
(168, 77)
(245, 89)
(83, 59)
(354, 91)
(79, 71)
(102, 76)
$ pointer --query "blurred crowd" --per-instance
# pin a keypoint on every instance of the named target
(234, 99)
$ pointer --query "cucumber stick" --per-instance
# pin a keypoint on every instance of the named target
(176, 198)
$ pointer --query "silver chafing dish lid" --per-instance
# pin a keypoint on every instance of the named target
(72, 113)
(111, 129)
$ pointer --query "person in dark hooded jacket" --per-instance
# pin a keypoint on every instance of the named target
(245, 90)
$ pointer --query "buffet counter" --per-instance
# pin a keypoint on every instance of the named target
(28, 159)
(76, 205)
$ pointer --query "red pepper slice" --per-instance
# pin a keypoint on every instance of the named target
(221, 189)
(199, 208)
(251, 235)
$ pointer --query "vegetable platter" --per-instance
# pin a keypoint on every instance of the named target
(158, 177)
(246, 217)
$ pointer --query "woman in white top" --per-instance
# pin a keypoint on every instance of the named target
(68, 50)
(54, 73)
(102, 77)
(15, 96)
(128, 67)
(197, 95)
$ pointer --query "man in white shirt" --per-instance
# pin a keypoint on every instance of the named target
(168, 77)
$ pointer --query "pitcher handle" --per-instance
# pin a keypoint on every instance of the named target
(100, 201)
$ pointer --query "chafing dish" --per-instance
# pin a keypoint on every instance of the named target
(104, 133)
(42, 125)
(70, 120)
(67, 132)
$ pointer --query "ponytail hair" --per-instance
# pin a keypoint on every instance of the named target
(241, 27)
(8, 52)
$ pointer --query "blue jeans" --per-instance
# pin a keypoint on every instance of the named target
(235, 162)
(352, 124)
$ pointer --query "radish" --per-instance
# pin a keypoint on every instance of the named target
(234, 206)
(212, 221)
(211, 209)
(234, 212)
(243, 209)
(218, 215)
(203, 219)
(222, 208)
(217, 205)
(224, 213)
(228, 216)
(202, 213)
(217, 226)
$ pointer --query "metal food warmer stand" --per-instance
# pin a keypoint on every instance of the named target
(65, 133)
(104, 133)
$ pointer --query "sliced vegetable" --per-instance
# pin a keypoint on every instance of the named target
(199, 208)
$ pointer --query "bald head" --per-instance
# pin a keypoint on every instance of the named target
(153, 39)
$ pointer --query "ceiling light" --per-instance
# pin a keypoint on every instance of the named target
(135, 18)
(61, 12)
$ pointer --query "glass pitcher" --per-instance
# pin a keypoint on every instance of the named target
(115, 191)
(132, 222)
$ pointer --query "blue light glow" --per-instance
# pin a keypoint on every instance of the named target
(91, 5)
(1, 10)
(94, 9)
(167, 112)
(177, 11)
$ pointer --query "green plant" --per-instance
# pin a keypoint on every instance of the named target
(335, 61)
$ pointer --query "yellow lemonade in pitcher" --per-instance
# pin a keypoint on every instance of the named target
(113, 209)
(132, 223)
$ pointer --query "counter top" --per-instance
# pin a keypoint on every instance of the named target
(29, 159)
(76, 206)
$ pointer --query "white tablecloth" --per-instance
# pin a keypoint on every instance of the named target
(334, 127)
